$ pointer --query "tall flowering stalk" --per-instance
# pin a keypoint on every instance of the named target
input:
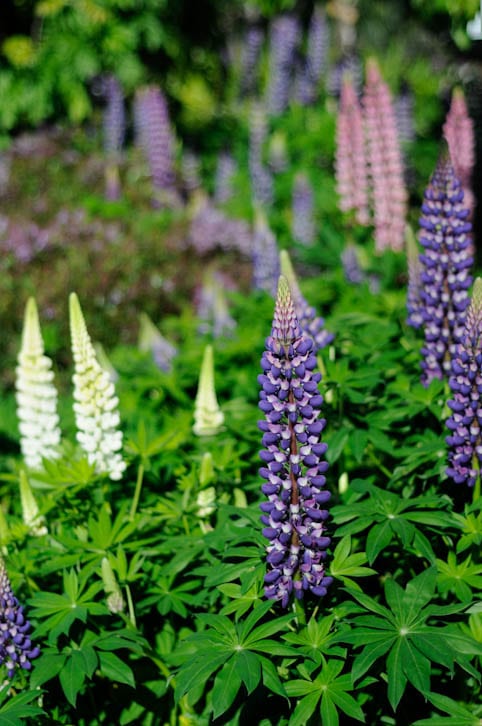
(351, 163)
(446, 269)
(311, 324)
(293, 467)
(414, 289)
(261, 179)
(316, 52)
(253, 43)
(303, 223)
(95, 403)
(36, 394)
(283, 41)
(265, 255)
(459, 132)
(465, 423)
(224, 178)
(114, 130)
(385, 165)
(16, 649)
(152, 340)
(208, 417)
(156, 138)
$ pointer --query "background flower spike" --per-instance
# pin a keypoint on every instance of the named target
(95, 403)
(208, 417)
(36, 394)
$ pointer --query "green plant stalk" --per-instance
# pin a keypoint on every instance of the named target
(137, 491)
(130, 605)
(476, 492)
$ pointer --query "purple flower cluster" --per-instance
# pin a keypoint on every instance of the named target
(16, 650)
(261, 179)
(303, 223)
(253, 42)
(265, 256)
(446, 269)
(223, 182)
(284, 39)
(293, 469)
(155, 137)
(465, 423)
(317, 52)
(211, 228)
(114, 116)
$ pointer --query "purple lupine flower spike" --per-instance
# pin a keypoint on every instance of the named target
(156, 138)
(303, 224)
(446, 269)
(265, 255)
(414, 288)
(311, 324)
(16, 649)
(316, 53)
(351, 265)
(465, 423)
(253, 42)
(223, 183)
(284, 39)
(261, 179)
(114, 130)
(293, 467)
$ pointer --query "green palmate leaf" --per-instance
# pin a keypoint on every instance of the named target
(415, 666)
(447, 705)
(345, 702)
(344, 565)
(72, 676)
(305, 709)
(199, 670)
(115, 669)
(370, 655)
(397, 680)
(226, 686)
(329, 714)
(47, 667)
(18, 708)
(248, 668)
(300, 687)
(271, 678)
(378, 538)
(434, 646)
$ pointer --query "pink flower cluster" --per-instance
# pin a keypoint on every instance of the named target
(385, 165)
(459, 133)
(350, 163)
(369, 166)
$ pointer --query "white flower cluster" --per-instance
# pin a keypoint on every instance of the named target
(95, 403)
(36, 395)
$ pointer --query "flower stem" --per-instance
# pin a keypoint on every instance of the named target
(130, 605)
(137, 492)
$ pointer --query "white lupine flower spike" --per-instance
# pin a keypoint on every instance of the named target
(208, 417)
(36, 395)
(95, 403)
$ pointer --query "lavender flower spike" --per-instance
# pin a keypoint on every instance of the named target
(414, 290)
(465, 423)
(311, 324)
(446, 264)
(293, 467)
(16, 650)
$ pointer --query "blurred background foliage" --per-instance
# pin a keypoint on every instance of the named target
(51, 51)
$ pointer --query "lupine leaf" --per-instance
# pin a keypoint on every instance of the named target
(248, 668)
(369, 655)
(72, 676)
(226, 686)
(397, 680)
(199, 670)
(415, 666)
(346, 703)
(305, 709)
(378, 538)
(270, 677)
(328, 711)
(115, 669)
